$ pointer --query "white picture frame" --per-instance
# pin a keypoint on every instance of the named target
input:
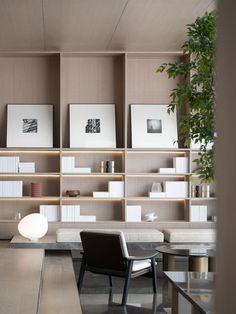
(30, 125)
(153, 127)
(92, 126)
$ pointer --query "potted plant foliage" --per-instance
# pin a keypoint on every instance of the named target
(196, 91)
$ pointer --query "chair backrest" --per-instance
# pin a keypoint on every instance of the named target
(104, 249)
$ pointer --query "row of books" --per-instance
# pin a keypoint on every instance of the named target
(71, 213)
(11, 188)
(115, 189)
(68, 166)
(9, 164)
(180, 166)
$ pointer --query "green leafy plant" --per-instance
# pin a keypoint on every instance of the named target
(196, 91)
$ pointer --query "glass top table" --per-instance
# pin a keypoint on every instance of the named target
(201, 256)
(197, 288)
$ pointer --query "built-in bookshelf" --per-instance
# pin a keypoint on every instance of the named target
(120, 78)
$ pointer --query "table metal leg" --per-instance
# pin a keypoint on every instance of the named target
(211, 264)
(199, 264)
(175, 301)
(168, 262)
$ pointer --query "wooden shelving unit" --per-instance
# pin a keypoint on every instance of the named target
(92, 77)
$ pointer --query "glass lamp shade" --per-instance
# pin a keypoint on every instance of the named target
(33, 226)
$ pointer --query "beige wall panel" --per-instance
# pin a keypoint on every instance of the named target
(21, 25)
(156, 25)
(145, 86)
(80, 25)
(92, 80)
(29, 80)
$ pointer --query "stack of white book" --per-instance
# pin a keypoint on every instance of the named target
(71, 213)
(68, 166)
(176, 189)
(11, 188)
(133, 213)
(180, 166)
(198, 213)
(26, 167)
(9, 164)
(115, 190)
(49, 211)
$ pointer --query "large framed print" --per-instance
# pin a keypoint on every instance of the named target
(29, 125)
(92, 126)
(153, 127)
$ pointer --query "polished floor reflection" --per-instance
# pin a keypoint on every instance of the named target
(97, 298)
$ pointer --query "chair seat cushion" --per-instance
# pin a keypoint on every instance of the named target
(190, 235)
(131, 235)
(138, 265)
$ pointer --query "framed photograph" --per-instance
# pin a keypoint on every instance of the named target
(153, 127)
(29, 125)
(92, 126)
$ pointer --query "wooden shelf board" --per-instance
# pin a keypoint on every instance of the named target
(90, 198)
(158, 150)
(45, 151)
(30, 175)
(147, 199)
(93, 174)
(92, 150)
(31, 199)
(203, 198)
(157, 175)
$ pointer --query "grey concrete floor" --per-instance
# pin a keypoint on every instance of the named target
(97, 298)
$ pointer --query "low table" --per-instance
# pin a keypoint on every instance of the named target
(196, 288)
(201, 257)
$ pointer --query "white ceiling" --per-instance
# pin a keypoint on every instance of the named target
(84, 25)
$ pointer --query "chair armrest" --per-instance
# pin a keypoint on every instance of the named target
(139, 255)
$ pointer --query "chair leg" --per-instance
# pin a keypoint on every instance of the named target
(110, 281)
(81, 274)
(154, 275)
(127, 281)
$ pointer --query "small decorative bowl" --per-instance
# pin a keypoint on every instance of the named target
(73, 193)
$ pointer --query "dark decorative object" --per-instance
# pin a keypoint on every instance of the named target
(197, 191)
(36, 189)
(73, 193)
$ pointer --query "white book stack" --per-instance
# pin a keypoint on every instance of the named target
(177, 189)
(68, 166)
(157, 194)
(167, 170)
(116, 189)
(26, 167)
(99, 194)
(71, 213)
(133, 213)
(82, 170)
(9, 164)
(50, 212)
(11, 188)
(198, 213)
(181, 164)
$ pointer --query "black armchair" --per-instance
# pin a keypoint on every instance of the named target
(105, 252)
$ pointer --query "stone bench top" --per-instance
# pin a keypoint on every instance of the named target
(131, 235)
(190, 235)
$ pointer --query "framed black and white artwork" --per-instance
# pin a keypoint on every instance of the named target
(92, 126)
(153, 127)
(29, 125)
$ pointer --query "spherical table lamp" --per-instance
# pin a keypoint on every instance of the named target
(33, 226)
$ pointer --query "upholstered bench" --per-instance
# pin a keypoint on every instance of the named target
(131, 235)
(190, 235)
